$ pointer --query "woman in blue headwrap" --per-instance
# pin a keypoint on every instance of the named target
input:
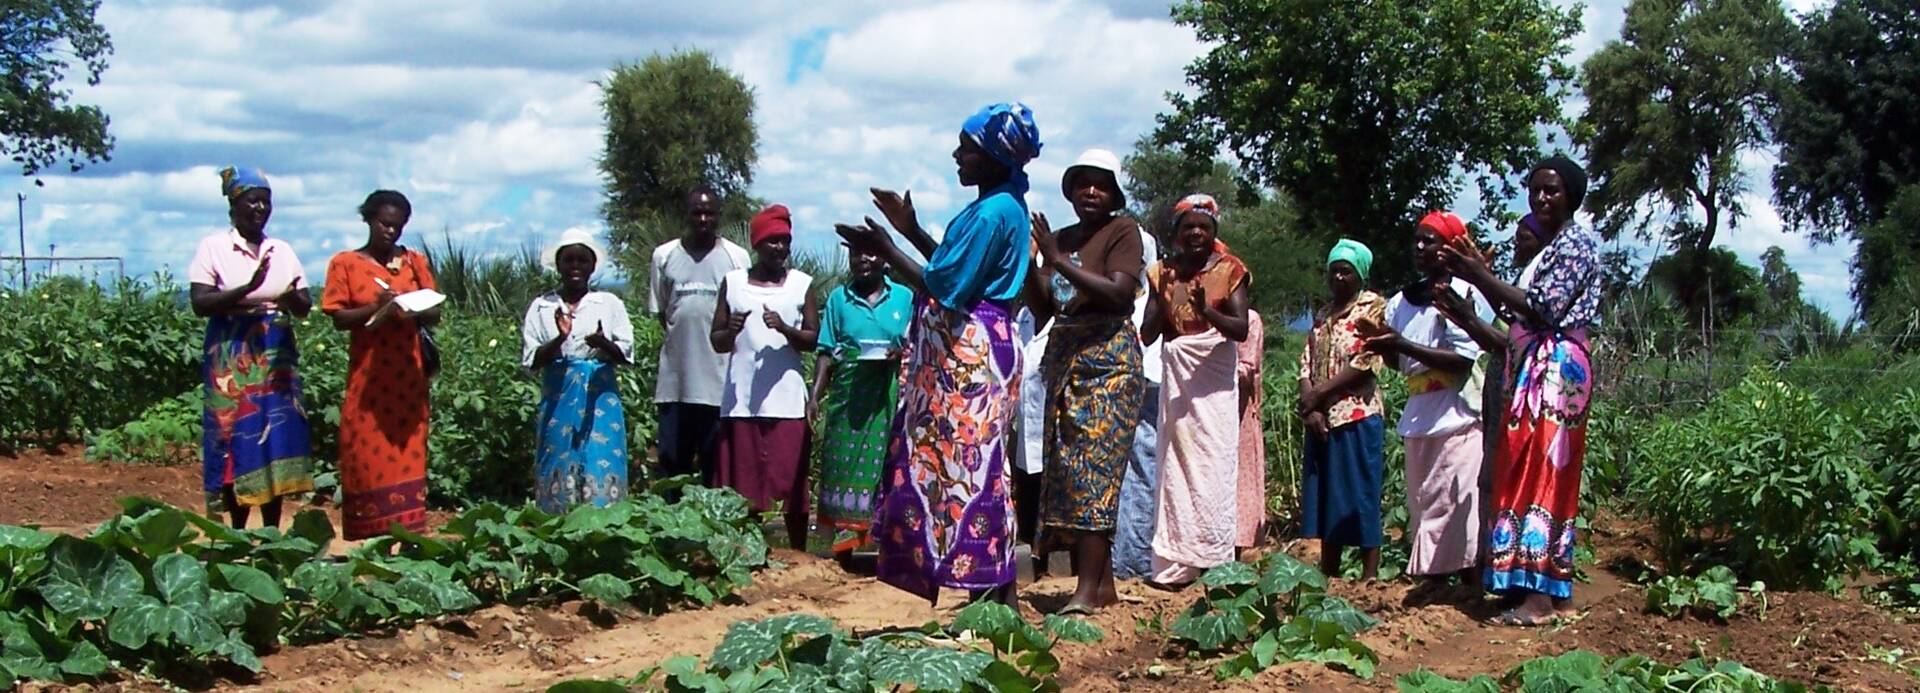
(944, 516)
(254, 442)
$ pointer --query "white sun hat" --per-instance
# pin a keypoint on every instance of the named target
(1100, 160)
(577, 235)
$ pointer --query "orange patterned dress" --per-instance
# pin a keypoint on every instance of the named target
(383, 419)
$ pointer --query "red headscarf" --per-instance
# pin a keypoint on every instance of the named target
(769, 223)
(1447, 224)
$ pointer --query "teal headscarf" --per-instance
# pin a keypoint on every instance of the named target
(1353, 253)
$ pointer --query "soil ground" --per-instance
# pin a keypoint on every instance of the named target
(1808, 637)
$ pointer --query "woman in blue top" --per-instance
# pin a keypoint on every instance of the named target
(945, 512)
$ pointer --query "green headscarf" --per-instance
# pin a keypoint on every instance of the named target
(1354, 253)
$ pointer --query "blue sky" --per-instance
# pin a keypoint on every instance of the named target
(487, 114)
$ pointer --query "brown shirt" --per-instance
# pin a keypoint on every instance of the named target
(1114, 247)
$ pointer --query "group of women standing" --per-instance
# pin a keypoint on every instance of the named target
(256, 447)
(1149, 457)
(1499, 512)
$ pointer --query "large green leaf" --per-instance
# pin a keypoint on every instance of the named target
(85, 660)
(181, 579)
(1230, 575)
(931, 669)
(1321, 607)
(250, 581)
(228, 608)
(652, 568)
(151, 620)
(237, 651)
(749, 644)
(1423, 681)
(23, 539)
(23, 555)
(1073, 629)
(22, 656)
(1285, 574)
(159, 532)
(314, 526)
(1327, 642)
(988, 619)
(87, 581)
(1211, 631)
(606, 589)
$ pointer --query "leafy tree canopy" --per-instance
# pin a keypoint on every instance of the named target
(1671, 105)
(1367, 114)
(39, 127)
(674, 122)
(1849, 140)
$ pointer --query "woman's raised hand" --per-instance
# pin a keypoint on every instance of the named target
(867, 235)
(897, 209)
(1044, 241)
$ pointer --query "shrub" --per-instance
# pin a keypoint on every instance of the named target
(1769, 476)
(1894, 431)
(76, 357)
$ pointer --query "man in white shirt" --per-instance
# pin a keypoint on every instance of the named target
(684, 287)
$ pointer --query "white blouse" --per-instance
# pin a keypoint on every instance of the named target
(598, 311)
(763, 370)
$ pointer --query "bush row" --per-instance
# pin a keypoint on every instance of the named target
(158, 589)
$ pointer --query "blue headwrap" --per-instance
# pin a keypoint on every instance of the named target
(1008, 134)
(236, 181)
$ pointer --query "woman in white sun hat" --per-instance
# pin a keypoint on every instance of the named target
(572, 339)
(1087, 278)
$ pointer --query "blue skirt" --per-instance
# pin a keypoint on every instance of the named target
(581, 437)
(1340, 501)
(1133, 524)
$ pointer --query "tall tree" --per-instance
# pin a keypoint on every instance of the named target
(1367, 114)
(1849, 139)
(1671, 105)
(38, 125)
(674, 122)
(1260, 226)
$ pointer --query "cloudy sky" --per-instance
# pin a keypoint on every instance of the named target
(487, 113)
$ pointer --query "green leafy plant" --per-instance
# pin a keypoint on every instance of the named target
(1716, 591)
(1275, 611)
(159, 589)
(988, 647)
(1586, 671)
(78, 356)
(166, 433)
(1784, 492)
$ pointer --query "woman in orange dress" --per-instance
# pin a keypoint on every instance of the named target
(383, 420)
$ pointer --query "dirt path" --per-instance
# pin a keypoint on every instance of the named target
(1805, 637)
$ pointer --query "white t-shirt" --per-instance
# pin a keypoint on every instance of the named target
(1444, 411)
(598, 311)
(1149, 353)
(686, 291)
(1033, 393)
(763, 371)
